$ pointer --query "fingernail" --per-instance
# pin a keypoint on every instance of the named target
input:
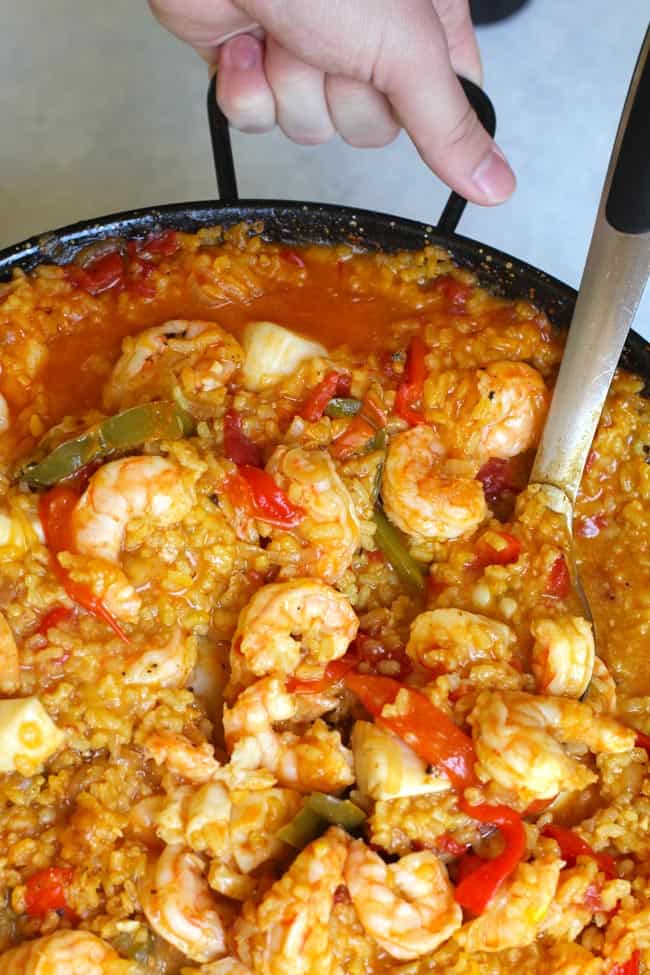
(493, 176)
(242, 53)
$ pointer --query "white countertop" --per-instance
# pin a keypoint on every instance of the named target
(101, 111)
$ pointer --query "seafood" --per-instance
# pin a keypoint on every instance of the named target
(64, 953)
(519, 737)
(563, 655)
(314, 759)
(177, 903)
(514, 915)
(194, 763)
(329, 530)
(452, 639)
(168, 664)
(198, 357)
(295, 627)
(498, 411)
(288, 931)
(122, 490)
(426, 493)
(408, 907)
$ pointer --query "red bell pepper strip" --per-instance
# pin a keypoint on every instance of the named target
(476, 890)
(45, 891)
(55, 510)
(269, 502)
(314, 406)
(559, 579)
(408, 398)
(165, 243)
(424, 727)
(59, 614)
(99, 275)
(334, 674)
(497, 548)
(236, 445)
(629, 967)
(572, 847)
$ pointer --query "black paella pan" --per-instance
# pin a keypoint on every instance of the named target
(307, 223)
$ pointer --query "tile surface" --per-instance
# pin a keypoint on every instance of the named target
(102, 111)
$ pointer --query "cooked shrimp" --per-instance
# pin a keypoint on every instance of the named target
(121, 490)
(293, 627)
(498, 411)
(427, 494)
(408, 907)
(452, 639)
(514, 915)
(519, 737)
(178, 905)
(9, 659)
(64, 953)
(106, 581)
(225, 966)
(601, 694)
(194, 763)
(199, 357)
(168, 664)
(329, 530)
(313, 761)
(563, 655)
(288, 931)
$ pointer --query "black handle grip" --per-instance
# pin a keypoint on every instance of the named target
(224, 163)
(628, 201)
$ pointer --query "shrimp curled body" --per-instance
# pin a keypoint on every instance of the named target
(64, 953)
(427, 494)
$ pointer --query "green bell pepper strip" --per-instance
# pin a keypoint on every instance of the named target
(342, 406)
(123, 432)
(391, 543)
(318, 813)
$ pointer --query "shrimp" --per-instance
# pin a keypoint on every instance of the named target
(134, 487)
(601, 693)
(515, 913)
(452, 639)
(427, 494)
(198, 357)
(168, 664)
(294, 627)
(408, 907)
(178, 905)
(563, 655)
(329, 530)
(288, 931)
(64, 953)
(224, 966)
(107, 581)
(10, 661)
(314, 761)
(194, 763)
(518, 739)
(498, 411)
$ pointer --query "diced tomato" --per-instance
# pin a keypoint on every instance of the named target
(292, 258)
(590, 527)
(46, 890)
(497, 548)
(572, 846)
(236, 445)
(54, 617)
(475, 890)
(423, 726)
(559, 579)
(408, 398)
(103, 274)
(268, 501)
(454, 292)
(164, 243)
(449, 844)
(314, 406)
(334, 674)
(55, 511)
(391, 661)
(629, 967)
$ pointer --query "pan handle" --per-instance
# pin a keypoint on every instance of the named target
(224, 163)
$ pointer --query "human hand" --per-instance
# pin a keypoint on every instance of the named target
(360, 68)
